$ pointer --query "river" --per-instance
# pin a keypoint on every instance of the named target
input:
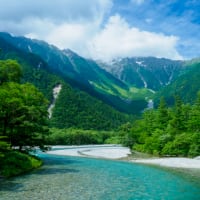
(77, 178)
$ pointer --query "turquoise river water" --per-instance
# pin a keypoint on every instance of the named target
(74, 178)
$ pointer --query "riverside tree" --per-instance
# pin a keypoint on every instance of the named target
(23, 109)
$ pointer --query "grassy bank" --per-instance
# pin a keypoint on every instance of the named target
(14, 163)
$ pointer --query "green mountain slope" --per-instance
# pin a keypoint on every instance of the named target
(83, 74)
(73, 107)
(125, 84)
(186, 85)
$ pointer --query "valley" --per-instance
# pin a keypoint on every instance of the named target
(99, 100)
(148, 104)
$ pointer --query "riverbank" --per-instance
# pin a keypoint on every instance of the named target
(124, 153)
(95, 151)
(186, 163)
(14, 163)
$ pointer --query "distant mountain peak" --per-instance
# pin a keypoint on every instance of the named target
(69, 52)
(144, 72)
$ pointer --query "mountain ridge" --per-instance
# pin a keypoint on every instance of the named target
(73, 108)
(133, 71)
(86, 75)
(126, 84)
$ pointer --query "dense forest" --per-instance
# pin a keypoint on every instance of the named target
(167, 131)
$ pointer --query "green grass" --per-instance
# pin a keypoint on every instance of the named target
(133, 92)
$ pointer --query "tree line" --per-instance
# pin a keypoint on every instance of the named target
(166, 131)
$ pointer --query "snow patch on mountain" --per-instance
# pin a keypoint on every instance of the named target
(142, 78)
(140, 63)
(29, 48)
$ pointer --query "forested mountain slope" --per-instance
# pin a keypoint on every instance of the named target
(126, 84)
(187, 85)
(74, 108)
(82, 73)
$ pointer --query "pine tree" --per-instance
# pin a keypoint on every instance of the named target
(162, 114)
(177, 121)
(193, 123)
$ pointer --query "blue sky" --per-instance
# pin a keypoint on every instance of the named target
(109, 29)
(174, 17)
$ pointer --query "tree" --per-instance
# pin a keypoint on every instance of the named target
(162, 114)
(178, 119)
(149, 118)
(23, 114)
(10, 70)
(193, 123)
(23, 109)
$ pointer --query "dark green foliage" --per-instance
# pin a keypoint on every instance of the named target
(193, 122)
(15, 163)
(23, 109)
(163, 114)
(77, 109)
(168, 131)
(4, 147)
(77, 136)
(9, 71)
(23, 113)
(186, 85)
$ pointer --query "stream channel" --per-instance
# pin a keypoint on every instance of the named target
(78, 178)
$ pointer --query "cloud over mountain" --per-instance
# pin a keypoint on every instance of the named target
(119, 39)
(96, 28)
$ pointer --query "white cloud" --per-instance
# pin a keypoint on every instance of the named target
(77, 25)
(32, 17)
(119, 39)
(58, 11)
(64, 23)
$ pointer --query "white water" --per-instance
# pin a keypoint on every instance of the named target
(56, 91)
(150, 104)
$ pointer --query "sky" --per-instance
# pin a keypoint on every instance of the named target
(108, 29)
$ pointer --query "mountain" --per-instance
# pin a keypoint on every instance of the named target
(186, 85)
(73, 107)
(144, 72)
(126, 84)
(83, 74)
(66, 63)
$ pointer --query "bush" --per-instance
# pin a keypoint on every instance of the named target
(15, 163)
(185, 144)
